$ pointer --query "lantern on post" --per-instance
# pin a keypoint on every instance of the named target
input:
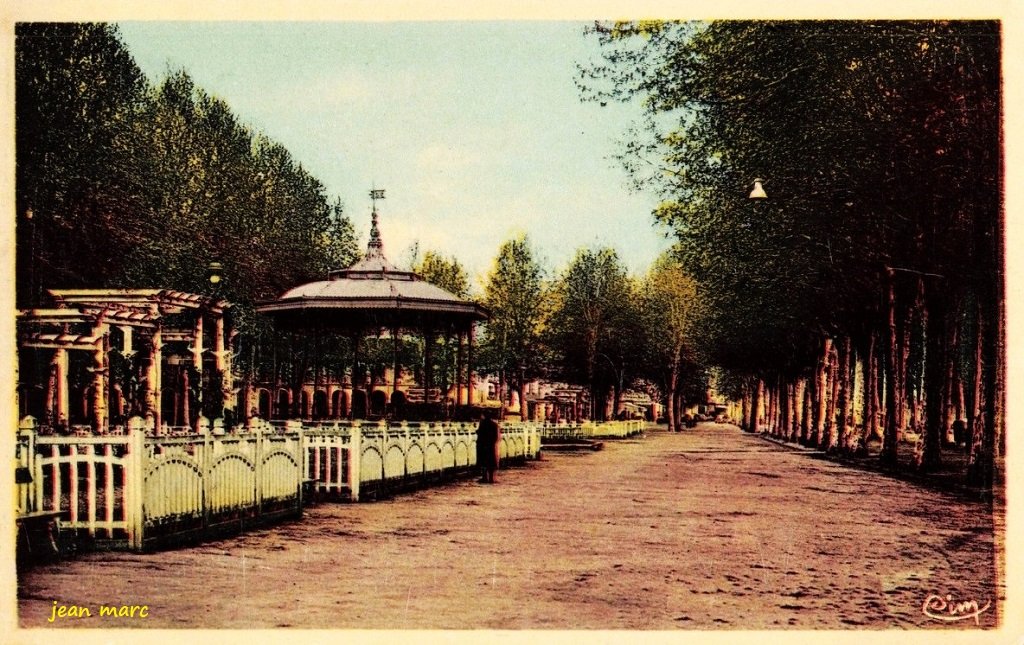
(215, 273)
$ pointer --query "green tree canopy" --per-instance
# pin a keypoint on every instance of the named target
(515, 296)
(445, 272)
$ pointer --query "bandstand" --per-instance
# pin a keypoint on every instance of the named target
(373, 297)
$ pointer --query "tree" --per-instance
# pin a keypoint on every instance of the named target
(515, 296)
(445, 272)
(592, 324)
(449, 274)
(671, 307)
(77, 93)
(131, 185)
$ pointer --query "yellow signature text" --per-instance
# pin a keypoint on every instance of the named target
(59, 611)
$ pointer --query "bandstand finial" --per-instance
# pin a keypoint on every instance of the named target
(375, 247)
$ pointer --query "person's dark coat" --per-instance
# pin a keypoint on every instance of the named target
(487, 435)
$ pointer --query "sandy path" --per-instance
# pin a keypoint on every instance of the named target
(706, 529)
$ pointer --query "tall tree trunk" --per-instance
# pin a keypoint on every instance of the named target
(521, 378)
(820, 396)
(805, 415)
(795, 397)
(755, 404)
(952, 389)
(843, 394)
(929, 457)
(745, 407)
(979, 460)
(869, 400)
(893, 386)
(831, 435)
(903, 378)
(779, 409)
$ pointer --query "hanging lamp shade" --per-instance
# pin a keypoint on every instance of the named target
(758, 191)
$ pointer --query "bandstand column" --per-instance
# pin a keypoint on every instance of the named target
(469, 365)
(428, 367)
(460, 367)
(395, 366)
(356, 337)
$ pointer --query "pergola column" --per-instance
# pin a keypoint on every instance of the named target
(185, 412)
(220, 354)
(99, 383)
(153, 375)
(197, 362)
(61, 396)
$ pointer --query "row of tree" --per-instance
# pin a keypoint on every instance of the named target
(594, 325)
(875, 265)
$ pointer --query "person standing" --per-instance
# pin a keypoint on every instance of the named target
(488, 440)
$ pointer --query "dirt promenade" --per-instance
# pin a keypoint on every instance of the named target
(707, 529)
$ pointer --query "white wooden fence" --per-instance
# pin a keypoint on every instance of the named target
(136, 490)
(347, 458)
(592, 430)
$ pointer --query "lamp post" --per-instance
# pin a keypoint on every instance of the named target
(757, 194)
(33, 299)
(215, 275)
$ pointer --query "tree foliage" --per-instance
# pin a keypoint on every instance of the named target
(671, 309)
(132, 185)
(445, 272)
(516, 298)
(593, 328)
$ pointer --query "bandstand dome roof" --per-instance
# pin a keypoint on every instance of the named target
(372, 292)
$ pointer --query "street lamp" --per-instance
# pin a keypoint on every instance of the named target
(758, 191)
(214, 273)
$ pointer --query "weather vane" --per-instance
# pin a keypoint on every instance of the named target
(375, 194)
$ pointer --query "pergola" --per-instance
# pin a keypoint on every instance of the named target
(372, 296)
(100, 321)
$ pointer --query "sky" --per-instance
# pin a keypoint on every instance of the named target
(474, 129)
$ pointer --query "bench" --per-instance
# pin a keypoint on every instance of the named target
(37, 534)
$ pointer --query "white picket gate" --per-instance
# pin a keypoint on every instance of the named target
(139, 490)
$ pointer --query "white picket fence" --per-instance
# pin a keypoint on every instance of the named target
(593, 430)
(384, 455)
(136, 490)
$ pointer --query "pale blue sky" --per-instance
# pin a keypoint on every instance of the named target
(475, 129)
